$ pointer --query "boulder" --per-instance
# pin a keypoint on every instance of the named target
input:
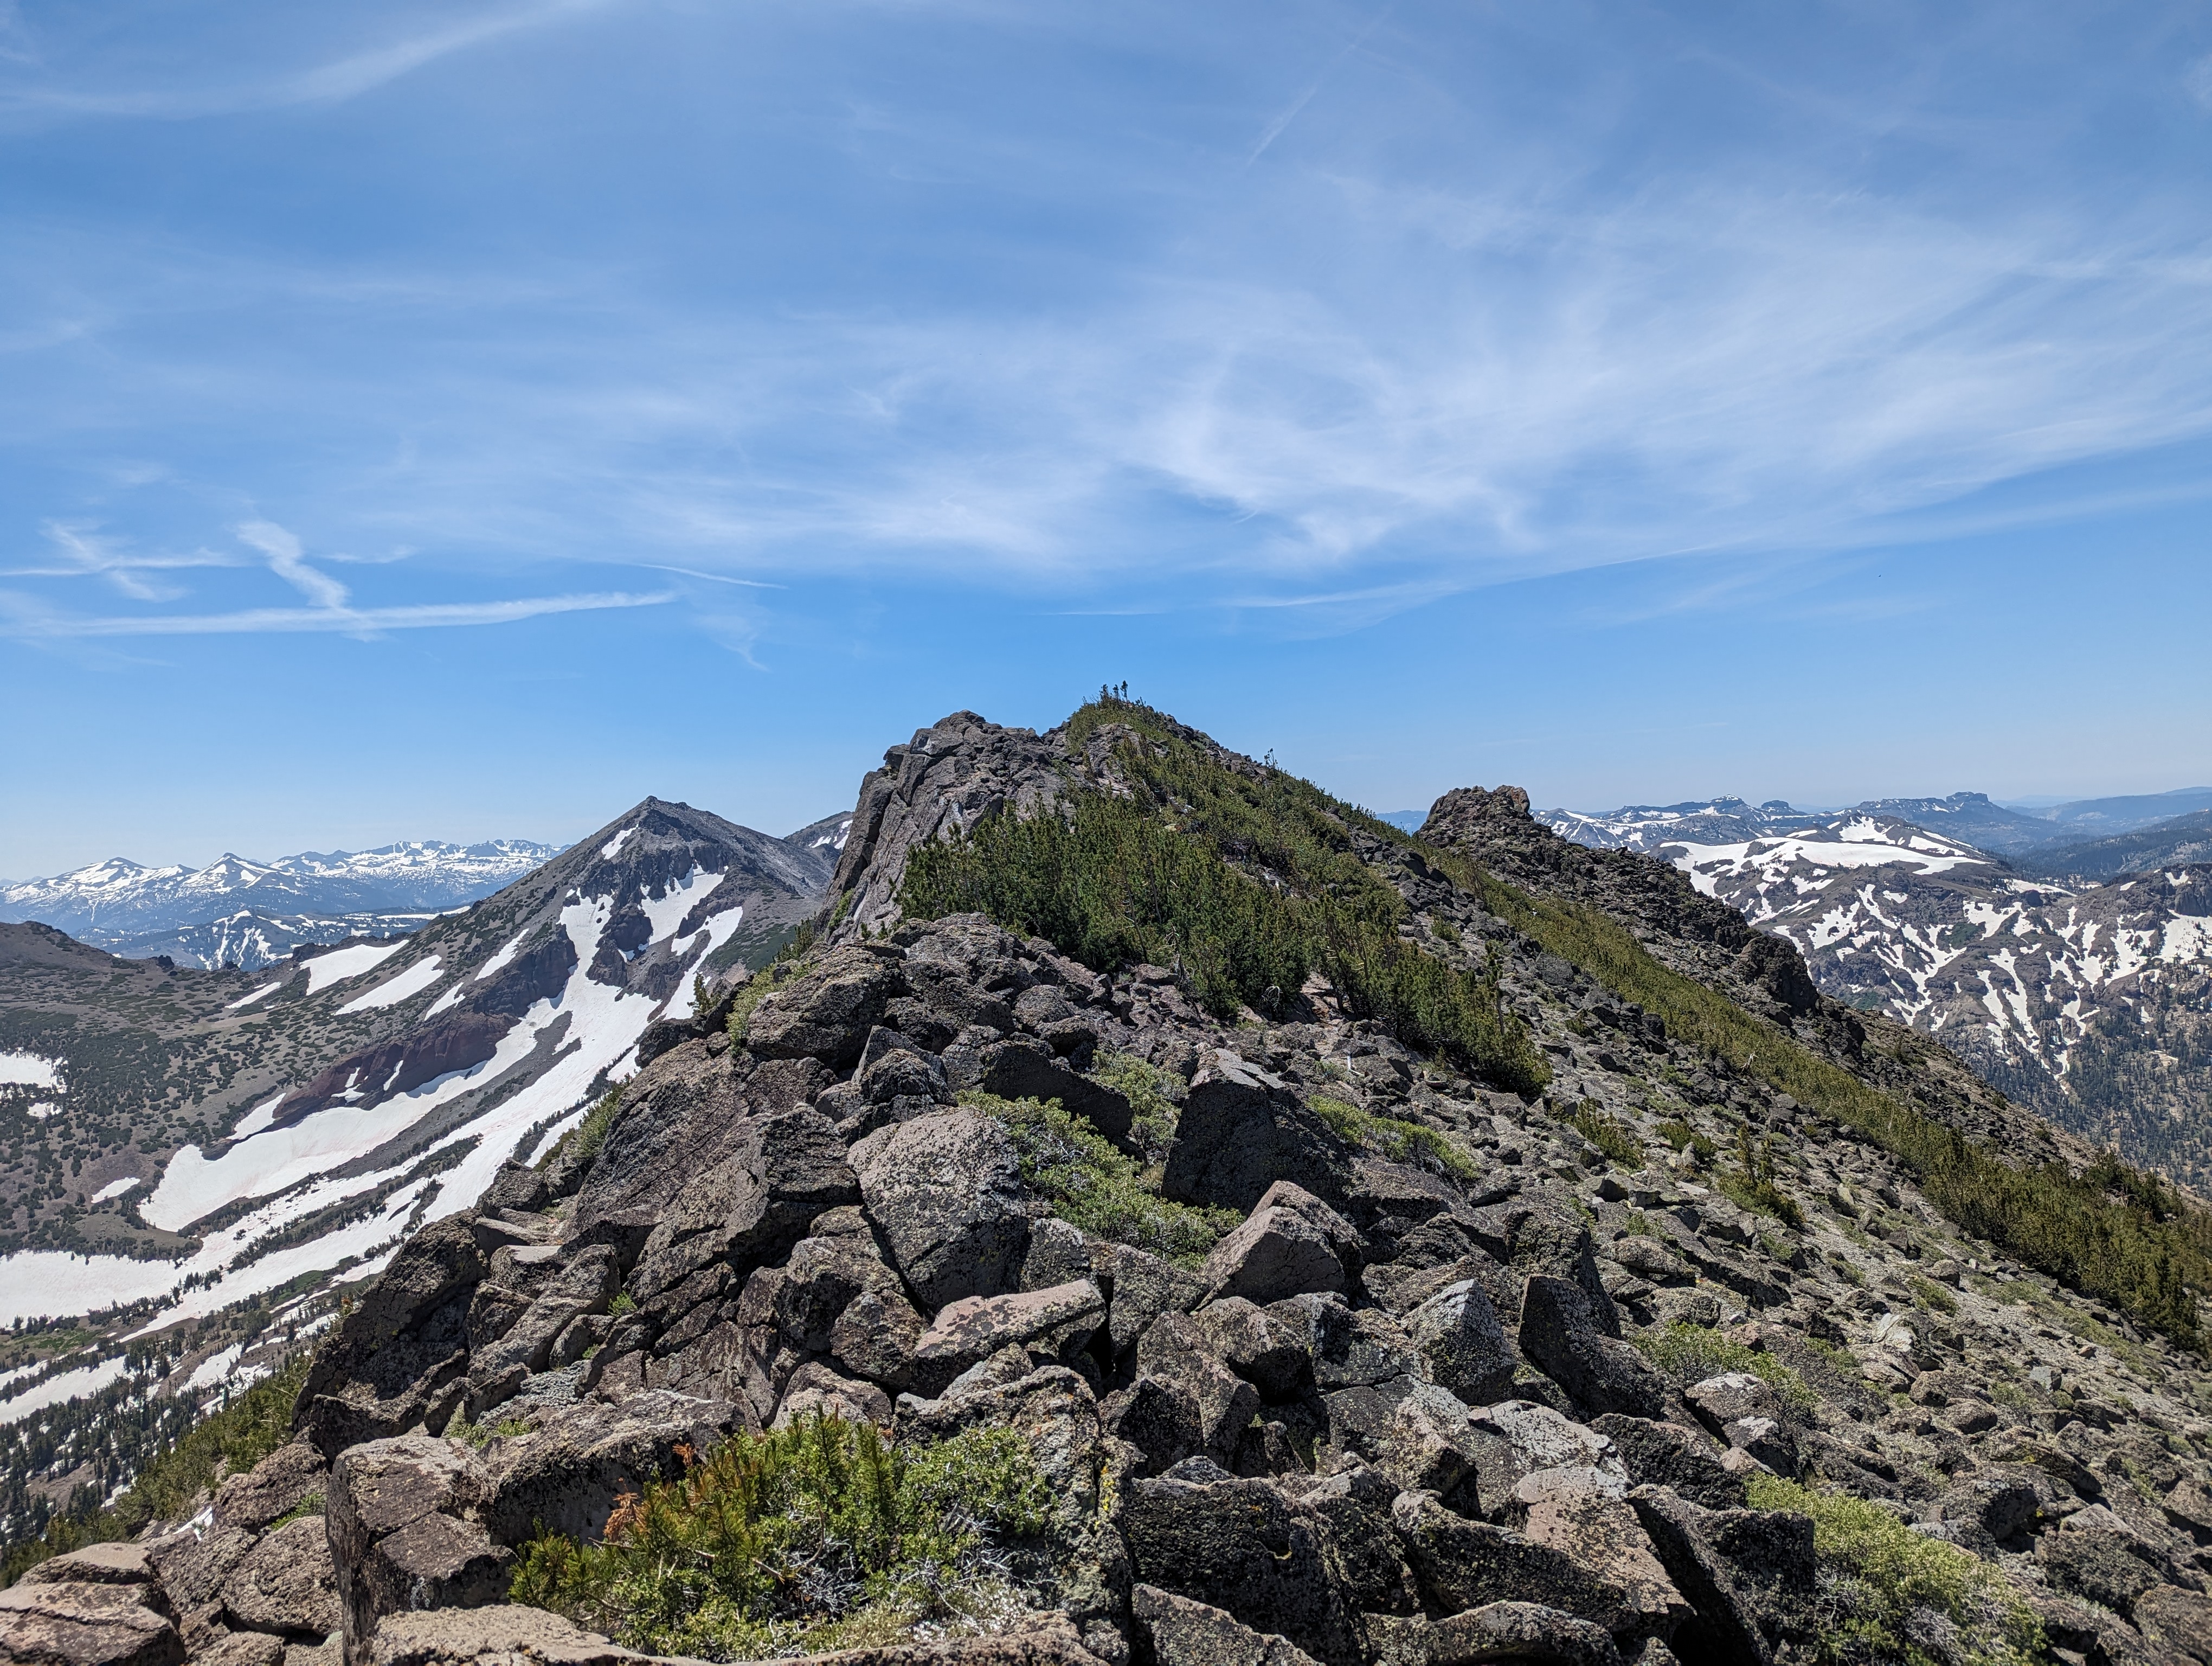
(1350, 1347)
(566, 1473)
(1057, 1323)
(1748, 1575)
(782, 1170)
(509, 1634)
(1732, 1396)
(1236, 1135)
(2110, 1569)
(1535, 1440)
(1241, 1546)
(1291, 1243)
(1142, 1287)
(87, 1624)
(1183, 1633)
(398, 1539)
(676, 1116)
(1648, 1258)
(286, 1584)
(405, 1339)
(1559, 1334)
(272, 1487)
(1463, 1565)
(1668, 1455)
(1177, 1348)
(1024, 1069)
(1462, 1346)
(1259, 1347)
(1596, 1528)
(1430, 1447)
(1534, 1239)
(946, 1192)
(2181, 1619)
(1521, 1632)
(113, 1564)
(815, 1390)
(1160, 1418)
(826, 1012)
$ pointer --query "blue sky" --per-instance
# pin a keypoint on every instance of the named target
(460, 420)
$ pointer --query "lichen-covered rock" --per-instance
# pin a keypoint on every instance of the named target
(946, 1192)
(272, 1487)
(1560, 1335)
(1238, 1133)
(1184, 1632)
(564, 1473)
(827, 1011)
(400, 1539)
(1291, 1242)
(1463, 1565)
(286, 1584)
(1748, 1575)
(1056, 1323)
(1462, 1344)
(79, 1624)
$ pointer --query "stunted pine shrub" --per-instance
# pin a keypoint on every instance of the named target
(1688, 1354)
(814, 1537)
(1887, 1593)
(1410, 1143)
(1609, 1136)
(1092, 1184)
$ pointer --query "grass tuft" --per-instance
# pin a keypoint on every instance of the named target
(1609, 1136)
(1401, 1141)
(1688, 1353)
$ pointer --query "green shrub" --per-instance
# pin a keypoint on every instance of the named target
(1444, 930)
(584, 1140)
(1752, 1184)
(1932, 1294)
(1152, 1122)
(227, 1441)
(1092, 1184)
(778, 972)
(811, 1538)
(1609, 1136)
(1410, 1143)
(1679, 1133)
(1688, 1353)
(1883, 1584)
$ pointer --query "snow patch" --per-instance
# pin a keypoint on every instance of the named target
(29, 1070)
(612, 848)
(410, 983)
(339, 964)
(115, 1189)
(70, 1385)
(265, 990)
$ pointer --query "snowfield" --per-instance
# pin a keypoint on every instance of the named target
(409, 984)
(339, 964)
(29, 1070)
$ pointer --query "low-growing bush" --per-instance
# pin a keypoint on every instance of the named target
(1688, 1353)
(1932, 1294)
(1410, 1143)
(1887, 1593)
(1153, 1120)
(1679, 1133)
(1609, 1136)
(582, 1142)
(1092, 1184)
(1752, 1184)
(773, 975)
(818, 1536)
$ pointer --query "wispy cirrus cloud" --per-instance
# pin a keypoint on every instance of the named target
(21, 620)
(38, 88)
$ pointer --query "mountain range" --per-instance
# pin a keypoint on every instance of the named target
(1149, 1213)
(246, 913)
(2075, 975)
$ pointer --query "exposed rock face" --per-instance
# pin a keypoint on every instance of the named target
(1460, 1388)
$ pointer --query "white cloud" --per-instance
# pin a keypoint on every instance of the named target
(356, 620)
(288, 563)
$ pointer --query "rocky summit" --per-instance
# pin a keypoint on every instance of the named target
(1158, 1213)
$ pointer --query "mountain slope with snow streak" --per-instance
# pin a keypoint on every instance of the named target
(2091, 1002)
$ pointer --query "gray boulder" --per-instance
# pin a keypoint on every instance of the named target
(1521, 1632)
(1462, 1564)
(566, 1473)
(2110, 1569)
(1350, 1347)
(1140, 1288)
(1056, 1323)
(1262, 1348)
(1159, 1417)
(1183, 1633)
(286, 1584)
(946, 1192)
(1178, 1348)
(1241, 1546)
(1020, 1069)
(79, 1624)
(272, 1487)
(1559, 1334)
(399, 1537)
(826, 1012)
(1748, 1576)
(1237, 1134)
(1291, 1243)
(1462, 1344)
(1668, 1455)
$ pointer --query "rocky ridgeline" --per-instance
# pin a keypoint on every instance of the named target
(1457, 1387)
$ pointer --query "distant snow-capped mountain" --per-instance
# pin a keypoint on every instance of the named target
(245, 913)
(2092, 1002)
